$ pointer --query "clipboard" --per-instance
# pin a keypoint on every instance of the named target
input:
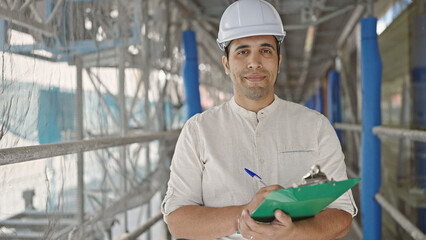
(302, 201)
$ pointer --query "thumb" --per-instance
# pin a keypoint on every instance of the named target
(282, 218)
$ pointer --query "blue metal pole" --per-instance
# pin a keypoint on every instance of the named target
(330, 95)
(190, 74)
(319, 102)
(334, 112)
(371, 78)
(338, 102)
(418, 73)
(310, 103)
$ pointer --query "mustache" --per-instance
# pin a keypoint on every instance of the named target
(254, 72)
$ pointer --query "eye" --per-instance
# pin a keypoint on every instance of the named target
(266, 51)
(242, 52)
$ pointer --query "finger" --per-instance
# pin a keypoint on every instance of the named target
(282, 218)
(272, 188)
(243, 227)
(256, 229)
(265, 191)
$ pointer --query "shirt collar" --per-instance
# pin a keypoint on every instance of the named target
(260, 114)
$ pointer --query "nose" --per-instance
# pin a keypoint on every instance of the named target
(254, 61)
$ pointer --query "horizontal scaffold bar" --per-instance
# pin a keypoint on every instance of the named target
(348, 127)
(414, 232)
(415, 135)
(136, 233)
(25, 154)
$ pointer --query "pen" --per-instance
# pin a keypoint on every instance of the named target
(252, 174)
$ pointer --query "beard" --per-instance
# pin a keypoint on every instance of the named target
(254, 90)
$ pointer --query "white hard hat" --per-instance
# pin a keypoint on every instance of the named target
(246, 18)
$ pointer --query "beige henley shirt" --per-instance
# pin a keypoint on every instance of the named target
(280, 143)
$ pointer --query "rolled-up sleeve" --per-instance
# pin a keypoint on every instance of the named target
(333, 165)
(184, 186)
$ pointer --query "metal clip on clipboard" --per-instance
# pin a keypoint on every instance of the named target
(315, 176)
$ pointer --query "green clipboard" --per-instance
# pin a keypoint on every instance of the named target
(303, 201)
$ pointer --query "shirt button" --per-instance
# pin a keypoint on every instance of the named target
(261, 161)
(257, 134)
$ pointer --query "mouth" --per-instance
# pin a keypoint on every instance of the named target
(255, 77)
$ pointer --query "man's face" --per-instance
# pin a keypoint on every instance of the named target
(253, 67)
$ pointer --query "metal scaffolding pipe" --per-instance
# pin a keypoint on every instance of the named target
(137, 196)
(80, 136)
(348, 127)
(54, 11)
(3, 35)
(357, 229)
(25, 154)
(21, 19)
(140, 230)
(414, 232)
(414, 135)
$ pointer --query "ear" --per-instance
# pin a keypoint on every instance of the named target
(280, 58)
(225, 64)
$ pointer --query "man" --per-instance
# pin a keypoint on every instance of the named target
(209, 195)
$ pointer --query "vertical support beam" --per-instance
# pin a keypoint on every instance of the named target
(371, 79)
(136, 22)
(310, 103)
(3, 34)
(319, 101)
(370, 8)
(190, 74)
(148, 171)
(146, 62)
(48, 8)
(123, 130)
(79, 131)
(122, 19)
(334, 108)
(146, 78)
(418, 76)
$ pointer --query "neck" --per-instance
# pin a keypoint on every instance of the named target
(253, 105)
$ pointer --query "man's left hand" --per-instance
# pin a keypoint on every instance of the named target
(281, 228)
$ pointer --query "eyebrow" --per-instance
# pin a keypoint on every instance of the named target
(247, 46)
(241, 47)
(267, 45)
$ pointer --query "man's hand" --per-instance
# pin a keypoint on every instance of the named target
(281, 228)
(260, 196)
(328, 224)
(252, 230)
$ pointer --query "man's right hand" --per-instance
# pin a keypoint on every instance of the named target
(260, 196)
(200, 222)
